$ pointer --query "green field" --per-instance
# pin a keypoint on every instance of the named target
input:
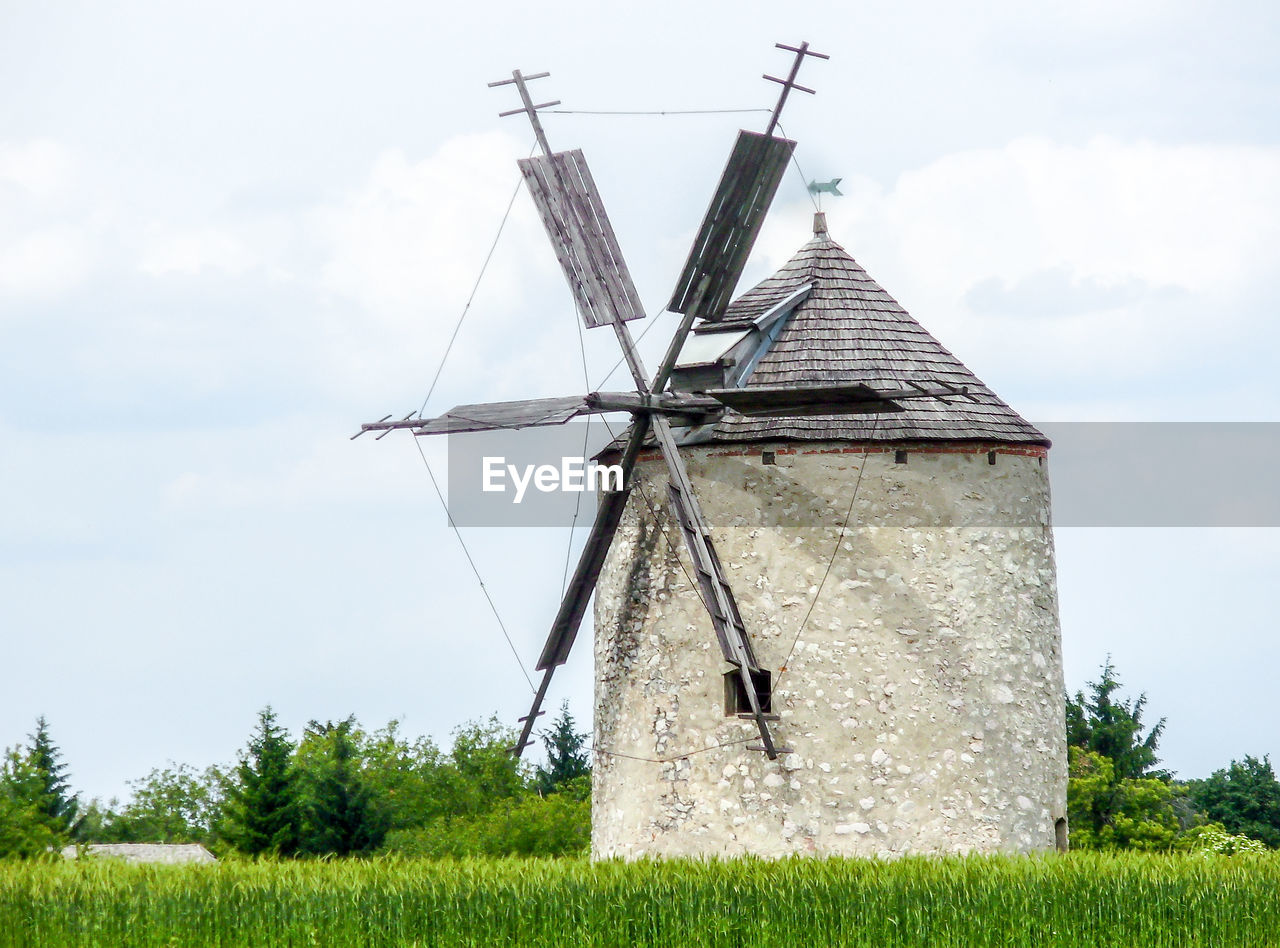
(1078, 899)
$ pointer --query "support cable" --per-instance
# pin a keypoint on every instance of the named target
(840, 534)
(813, 198)
(475, 569)
(422, 454)
(673, 757)
(586, 436)
(653, 515)
(474, 288)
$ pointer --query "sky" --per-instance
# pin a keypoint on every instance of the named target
(232, 232)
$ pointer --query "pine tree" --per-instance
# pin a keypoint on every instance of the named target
(262, 800)
(567, 757)
(340, 815)
(53, 798)
(1114, 728)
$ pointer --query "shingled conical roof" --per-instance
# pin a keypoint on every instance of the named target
(849, 330)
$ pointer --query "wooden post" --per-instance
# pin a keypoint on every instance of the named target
(528, 107)
(790, 83)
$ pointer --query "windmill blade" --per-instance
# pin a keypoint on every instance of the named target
(574, 217)
(731, 632)
(732, 222)
(526, 413)
(573, 606)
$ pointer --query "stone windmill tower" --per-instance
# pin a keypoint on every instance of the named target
(897, 574)
(813, 484)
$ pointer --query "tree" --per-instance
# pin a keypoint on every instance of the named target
(262, 814)
(471, 800)
(56, 802)
(1114, 729)
(175, 805)
(37, 808)
(25, 831)
(480, 772)
(1108, 812)
(340, 814)
(556, 825)
(404, 776)
(1244, 798)
(567, 758)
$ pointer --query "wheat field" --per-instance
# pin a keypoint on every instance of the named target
(1073, 900)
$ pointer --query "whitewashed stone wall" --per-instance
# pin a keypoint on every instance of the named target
(923, 702)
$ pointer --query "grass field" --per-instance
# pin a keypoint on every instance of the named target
(1076, 900)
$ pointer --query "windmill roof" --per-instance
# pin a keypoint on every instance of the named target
(847, 330)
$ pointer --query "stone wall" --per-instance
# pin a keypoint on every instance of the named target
(922, 701)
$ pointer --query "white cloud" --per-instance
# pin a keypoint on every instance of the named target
(191, 252)
(41, 169)
(45, 261)
(296, 464)
(47, 237)
(1109, 257)
(414, 235)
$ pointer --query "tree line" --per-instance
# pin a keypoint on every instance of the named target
(341, 790)
(338, 790)
(1119, 798)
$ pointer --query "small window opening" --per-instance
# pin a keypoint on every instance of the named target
(768, 457)
(1060, 834)
(735, 696)
(899, 457)
(991, 457)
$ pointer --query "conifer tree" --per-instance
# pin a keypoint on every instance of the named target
(53, 798)
(567, 757)
(339, 812)
(1113, 728)
(262, 800)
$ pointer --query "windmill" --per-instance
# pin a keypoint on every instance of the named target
(575, 220)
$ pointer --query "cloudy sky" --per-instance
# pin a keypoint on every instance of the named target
(231, 232)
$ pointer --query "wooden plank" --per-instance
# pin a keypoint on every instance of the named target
(730, 632)
(544, 412)
(616, 297)
(574, 217)
(528, 413)
(567, 241)
(762, 187)
(610, 299)
(627, 301)
(567, 238)
(732, 222)
(564, 630)
(715, 243)
(740, 229)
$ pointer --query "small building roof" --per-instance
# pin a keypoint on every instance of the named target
(143, 852)
(846, 329)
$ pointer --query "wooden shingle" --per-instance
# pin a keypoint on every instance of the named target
(848, 330)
